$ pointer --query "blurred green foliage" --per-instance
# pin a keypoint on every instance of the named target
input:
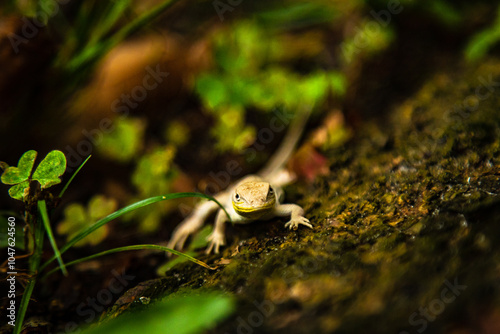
(154, 169)
(179, 314)
(177, 133)
(153, 176)
(84, 32)
(124, 142)
(250, 73)
(298, 14)
(77, 218)
(369, 39)
(481, 42)
(445, 12)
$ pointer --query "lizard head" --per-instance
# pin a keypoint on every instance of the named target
(253, 199)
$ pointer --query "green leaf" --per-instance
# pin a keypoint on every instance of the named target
(313, 88)
(125, 141)
(75, 216)
(100, 206)
(152, 175)
(445, 12)
(241, 50)
(47, 172)
(19, 191)
(50, 169)
(15, 175)
(150, 221)
(230, 130)
(78, 218)
(212, 90)
(177, 314)
(338, 83)
(480, 44)
(177, 133)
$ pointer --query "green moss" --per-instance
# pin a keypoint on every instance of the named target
(390, 226)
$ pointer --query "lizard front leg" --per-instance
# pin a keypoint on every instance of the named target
(296, 214)
(217, 237)
(191, 224)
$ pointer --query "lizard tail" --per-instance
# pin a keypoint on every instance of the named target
(284, 152)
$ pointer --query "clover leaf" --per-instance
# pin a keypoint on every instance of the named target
(15, 175)
(50, 169)
(19, 175)
(47, 172)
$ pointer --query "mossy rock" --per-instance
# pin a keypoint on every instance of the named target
(406, 228)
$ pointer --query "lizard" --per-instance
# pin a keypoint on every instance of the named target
(254, 197)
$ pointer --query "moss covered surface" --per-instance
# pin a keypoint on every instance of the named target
(406, 229)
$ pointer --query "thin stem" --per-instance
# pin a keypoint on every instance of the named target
(72, 177)
(34, 265)
(133, 247)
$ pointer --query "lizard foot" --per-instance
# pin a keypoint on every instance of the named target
(181, 233)
(294, 223)
(216, 240)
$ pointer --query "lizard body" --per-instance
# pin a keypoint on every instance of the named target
(255, 197)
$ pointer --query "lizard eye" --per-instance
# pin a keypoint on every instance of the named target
(237, 197)
(271, 191)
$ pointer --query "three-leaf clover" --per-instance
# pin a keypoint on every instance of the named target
(47, 173)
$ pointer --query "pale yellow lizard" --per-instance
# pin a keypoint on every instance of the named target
(255, 197)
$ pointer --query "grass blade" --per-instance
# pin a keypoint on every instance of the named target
(23, 307)
(134, 247)
(113, 14)
(72, 177)
(42, 207)
(94, 52)
(125, 210)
